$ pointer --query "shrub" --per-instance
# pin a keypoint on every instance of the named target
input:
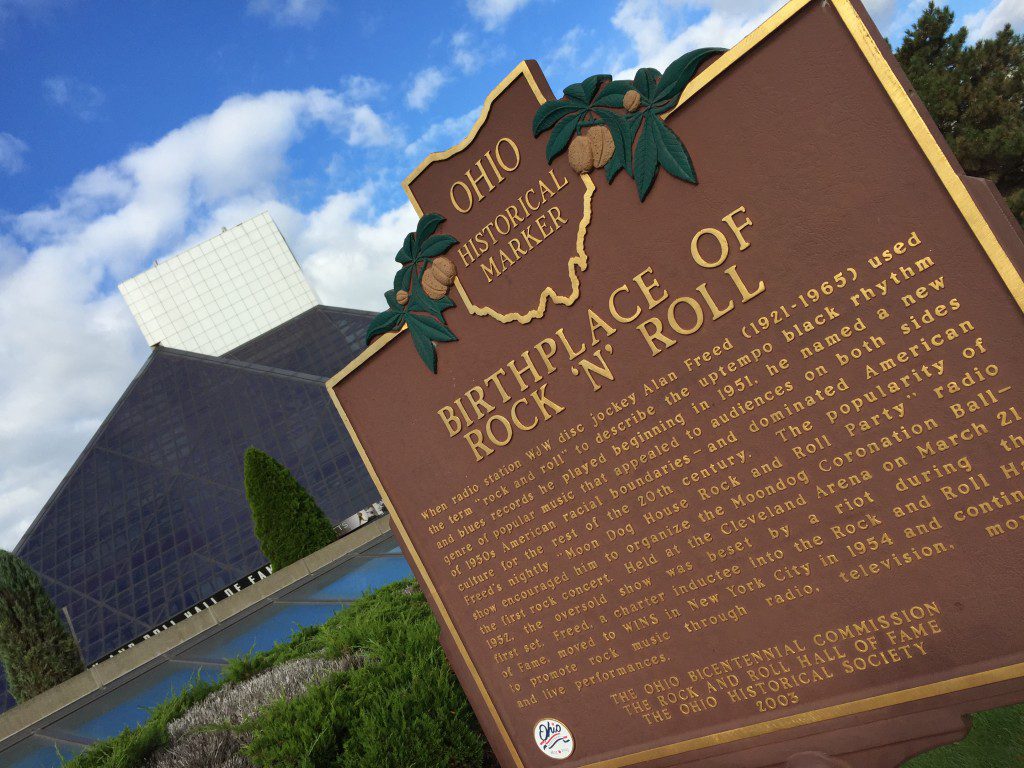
(403, 708)
(288, 522)
(369, 688)
(36, 648)
(207, 736)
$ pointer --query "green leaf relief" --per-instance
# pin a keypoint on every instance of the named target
(681, 71)
(550, 113)
(427, 226)
(436, 245)
(433, 330)
(424, 346)
(561, 136)
(402, 278)
(611, 95)
(672, 155)
(388, 320)
(645, 160)
(623, 136)
(591, 84)
(645, 81)
(428, 327)
(643, 142)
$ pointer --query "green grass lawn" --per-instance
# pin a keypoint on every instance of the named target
(996, 740)
(387, 698)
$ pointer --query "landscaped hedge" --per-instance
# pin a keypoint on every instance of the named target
(399, 706)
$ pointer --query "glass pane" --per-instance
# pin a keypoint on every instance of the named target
(260, 631)
(387, 547)
(352, 578)
(126, 706)
(153, 518)
(38, 753)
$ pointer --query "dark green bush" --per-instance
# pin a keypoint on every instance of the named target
(288, 523)
(36, 648)
(402, 708)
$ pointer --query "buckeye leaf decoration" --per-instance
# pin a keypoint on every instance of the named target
(631, 111)
(419, 296)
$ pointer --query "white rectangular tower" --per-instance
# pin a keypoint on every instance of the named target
(220, 293)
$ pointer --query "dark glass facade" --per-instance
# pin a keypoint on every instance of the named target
(152, 518)
(309, 342)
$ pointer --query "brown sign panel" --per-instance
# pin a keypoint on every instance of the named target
(733, 472)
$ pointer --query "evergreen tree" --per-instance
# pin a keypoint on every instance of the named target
(976, 95)
(288, 522)
(36, 648)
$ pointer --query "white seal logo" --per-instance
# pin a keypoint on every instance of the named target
(554, 738)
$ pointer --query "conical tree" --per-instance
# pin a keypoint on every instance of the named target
(36, 648)
(976, 95)
(288, 522)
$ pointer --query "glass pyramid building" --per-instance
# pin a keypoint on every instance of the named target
(152, 518)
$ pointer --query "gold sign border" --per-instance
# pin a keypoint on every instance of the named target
(577, 264)
(975, 220)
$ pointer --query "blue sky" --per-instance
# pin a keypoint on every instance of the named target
(131, 130)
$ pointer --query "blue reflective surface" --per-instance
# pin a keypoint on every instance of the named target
(153, 517)
(126, 706)
(37, 753)
(387, 547)
(352, 579)
(261, 630)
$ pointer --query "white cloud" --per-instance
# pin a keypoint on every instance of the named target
(659, 31)
(987, 21)
(494, 13)
(289, 12)
(893, 16)
(12, 154)
(424, 87)
(68, 345)
(358, 123)
(442, 135)
(569, 46)
(347, 248)
(662, 30)
(28, 9)
(362, 88)
(368, 129)
(11, 254)
(466, 57)
(80, 98)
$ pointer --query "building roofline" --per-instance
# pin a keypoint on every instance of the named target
(266, 370)
(81, 456)
(230, 362)
(318, 308)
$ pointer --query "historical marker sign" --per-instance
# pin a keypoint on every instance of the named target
(727, 473)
